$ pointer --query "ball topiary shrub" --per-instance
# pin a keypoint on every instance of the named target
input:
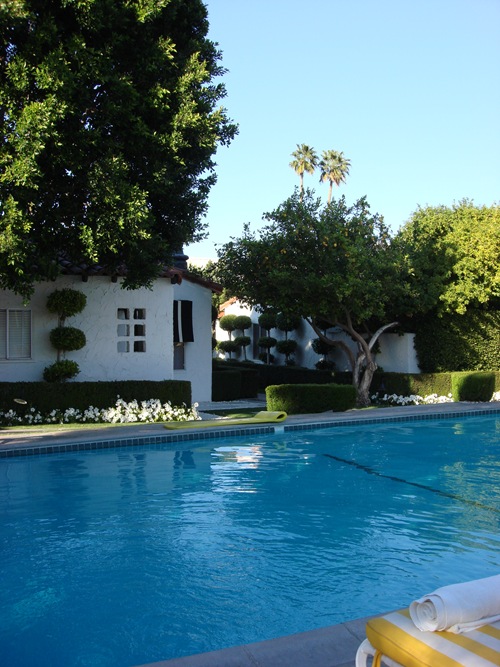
(62, 370)
(67, 339)
(242, 322)
(228, 346)
(226, 323)
(267, 321)
(66, 302)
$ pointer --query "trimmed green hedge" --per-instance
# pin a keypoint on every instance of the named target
(310, 398)
(256, 377)
(46, 396)
(423, 384)
(226, 385)
(272, 375)
(472, 386)
(232, 383)
(405, 384)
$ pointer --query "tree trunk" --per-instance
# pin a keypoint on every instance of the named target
(362, 379)
(363, 365)
(363, 399)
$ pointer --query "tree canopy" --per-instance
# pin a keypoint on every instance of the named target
(110, 120)
(332, 263)
(453, 257)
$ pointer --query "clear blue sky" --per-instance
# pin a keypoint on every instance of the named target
(408, 90)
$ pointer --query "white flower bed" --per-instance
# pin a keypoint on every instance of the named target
(121, 413)
(414, 399)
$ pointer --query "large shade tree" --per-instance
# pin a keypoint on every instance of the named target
(333, 265)
(110, 119)
(453, 255)
(304, 160)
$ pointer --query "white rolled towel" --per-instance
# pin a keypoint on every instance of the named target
(460, 607)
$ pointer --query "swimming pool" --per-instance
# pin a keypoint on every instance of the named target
(132, 555)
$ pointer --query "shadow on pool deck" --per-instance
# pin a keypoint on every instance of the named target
(333, 646)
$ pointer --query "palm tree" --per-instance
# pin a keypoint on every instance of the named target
(304, 159)
(334, 169)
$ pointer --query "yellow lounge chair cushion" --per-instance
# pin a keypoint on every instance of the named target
(261, 417)
(397, 637)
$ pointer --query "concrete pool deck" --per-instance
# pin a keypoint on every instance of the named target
(22, 441)
(333, 646)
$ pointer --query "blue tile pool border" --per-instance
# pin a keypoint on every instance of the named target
(94, 445)
(390, 419)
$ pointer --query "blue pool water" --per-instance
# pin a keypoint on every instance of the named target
(127, 556)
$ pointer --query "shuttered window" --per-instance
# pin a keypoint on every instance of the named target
(15, 334)
(183, 322)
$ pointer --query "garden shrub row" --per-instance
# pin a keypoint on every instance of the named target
(310, 398)
(247, 379)
(424, 384)
(45, 396)
(256, 377)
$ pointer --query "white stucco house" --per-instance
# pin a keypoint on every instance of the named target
(163, 333)
(397, 352)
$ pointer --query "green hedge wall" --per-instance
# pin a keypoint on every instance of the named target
(472, 386)
(45, 396)
(405, 384)
(310, 398)
(423, 384)
(469, 342)
(271, 375)
(226, 385)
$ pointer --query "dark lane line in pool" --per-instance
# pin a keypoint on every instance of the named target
(453, 496)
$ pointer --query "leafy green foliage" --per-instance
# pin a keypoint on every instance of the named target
(67, 339)
(320, 347)
(286, 347)
(81, 395)
(110, 118)
(452, 256)
(314, 261)
(61, 370)
(226, 323)
(472, 386)
(229, 346)
(266, 320)
(287, 322)
(267, 342)
(66, 302)
(310, 398)
(459, 343)
(333, 263)
(243, 341)
(242, 322)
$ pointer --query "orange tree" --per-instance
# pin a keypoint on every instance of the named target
(332, 264)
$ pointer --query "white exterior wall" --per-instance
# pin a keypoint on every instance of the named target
(397, 353)
(100, 359)
(197, 355)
